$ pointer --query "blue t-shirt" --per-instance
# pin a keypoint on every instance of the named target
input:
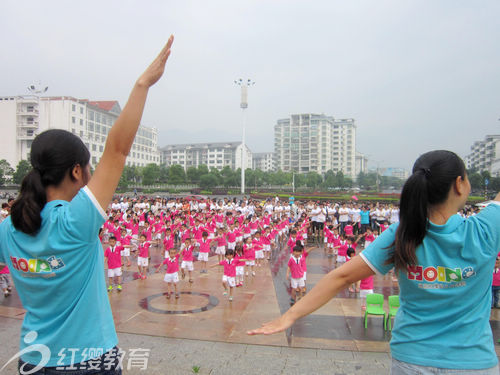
(445, 301)
(365, 217)
(59, 275)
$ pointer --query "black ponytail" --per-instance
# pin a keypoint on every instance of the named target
(432, 177)
(54, 154)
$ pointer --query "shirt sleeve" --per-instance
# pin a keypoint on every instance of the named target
(487, 226)
(379, 251)
(84, 216)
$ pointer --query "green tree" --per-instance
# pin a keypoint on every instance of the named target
(176, 175)
(192, 175)
(476, 181)
(151, 174)
(208, 181)
(313, 179)
(5, 171)
(22, 169)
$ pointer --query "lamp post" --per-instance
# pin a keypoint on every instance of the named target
(243, 105)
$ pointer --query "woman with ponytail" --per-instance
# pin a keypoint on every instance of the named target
(51, 246)
(444, 264)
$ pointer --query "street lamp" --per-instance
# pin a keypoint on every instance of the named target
(243, 105)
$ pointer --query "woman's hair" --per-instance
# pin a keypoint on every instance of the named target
(432, 177)
(54, 153)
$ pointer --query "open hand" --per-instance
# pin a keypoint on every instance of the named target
(278, 325)
(154, 72)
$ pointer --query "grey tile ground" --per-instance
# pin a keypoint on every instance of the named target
(178, 356)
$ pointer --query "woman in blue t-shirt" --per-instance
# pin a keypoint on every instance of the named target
(444, 265)
(50, 244)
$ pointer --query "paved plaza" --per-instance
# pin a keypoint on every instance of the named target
(203, 331)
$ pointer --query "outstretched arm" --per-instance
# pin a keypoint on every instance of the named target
(326, 289)
(121, 136)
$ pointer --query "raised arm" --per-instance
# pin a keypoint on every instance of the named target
(327, 288)
(121, 136)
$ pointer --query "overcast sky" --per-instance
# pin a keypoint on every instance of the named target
(415, 75)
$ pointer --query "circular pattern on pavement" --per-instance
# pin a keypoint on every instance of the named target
(146, 303)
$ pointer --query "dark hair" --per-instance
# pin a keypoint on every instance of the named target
(433, 175)
(54, 154)
(112, 238)
(297, 248)
(230, 252)
(351, 252)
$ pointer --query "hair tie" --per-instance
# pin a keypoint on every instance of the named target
(427, 172)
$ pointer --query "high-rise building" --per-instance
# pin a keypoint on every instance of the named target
(213, 155)
(315, 143)
(264, 161)
(361, 163)
(485, 155)
(23, 117)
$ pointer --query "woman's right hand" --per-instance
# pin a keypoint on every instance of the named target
(154, 71)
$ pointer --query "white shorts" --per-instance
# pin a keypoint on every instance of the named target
(240, 270)
(171, 277)
(267, 247)
(230, 280)
(246, 235)
(253, 231)
(239, 239)
(125, 252)
(297, 283)
(231, 245)
(259, 254)
(220, 250)
(250, 262)
(203, 257)
(304, 277)
(341, 259)
(158, 236)
(141, 223)
(364, 292)
(144, 262)
(187, 264)
(112, 272)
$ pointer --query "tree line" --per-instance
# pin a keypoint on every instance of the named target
(206, 178)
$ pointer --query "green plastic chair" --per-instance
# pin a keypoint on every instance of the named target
(375, 306)
(393, 308)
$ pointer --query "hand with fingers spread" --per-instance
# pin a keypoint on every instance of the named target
(154, 71)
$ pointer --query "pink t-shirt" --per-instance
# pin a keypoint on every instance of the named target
(114, 256)
(172, 264)
(168, 242)
(229, 267)
(4, 270)
(348, 230)
(295, 266)
(366, 284)
(204, 246)
(249, 252)
(144, 249)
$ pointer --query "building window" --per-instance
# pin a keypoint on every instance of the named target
(73, 120)
(73, 107)
(94, 147)
(81, 110)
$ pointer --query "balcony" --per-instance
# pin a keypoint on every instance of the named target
(27, 112)
(22, 136)
(27, 124)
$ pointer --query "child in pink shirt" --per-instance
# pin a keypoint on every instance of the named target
(187, 249)
(5, 283)
(295, 270)
(172, 274)
(495, 287)
(229, 276)
(143, 257)
(249, 253)
(114, 259)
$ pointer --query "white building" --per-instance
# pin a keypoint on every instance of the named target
(315, 143)
(485, 155)
(213, 155)
(23, 117)
(361, 163)
(264, 161)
